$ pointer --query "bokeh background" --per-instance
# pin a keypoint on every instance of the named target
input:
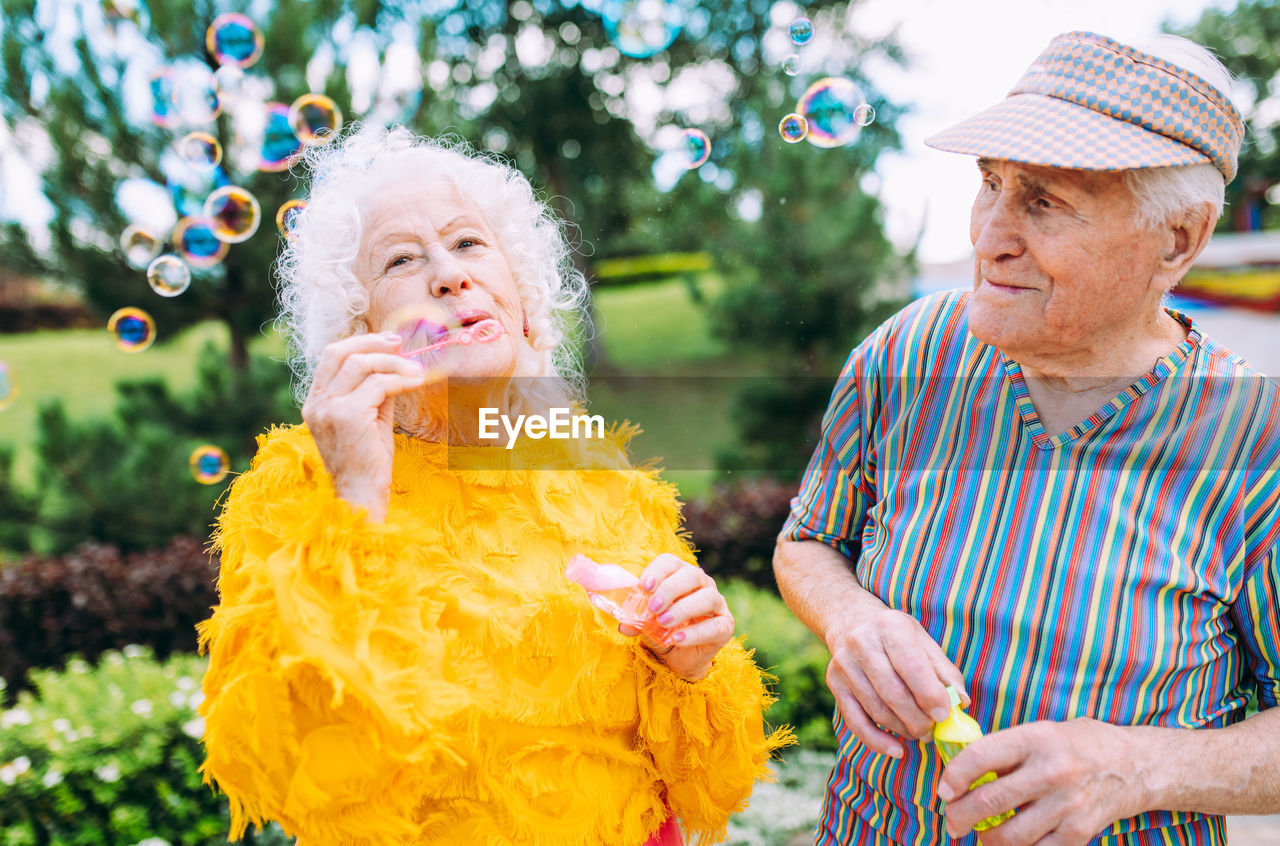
(732, 269)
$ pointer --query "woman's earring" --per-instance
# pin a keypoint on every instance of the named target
(526, 325)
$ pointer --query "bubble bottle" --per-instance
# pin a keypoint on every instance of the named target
(618, 593)
(955, 733)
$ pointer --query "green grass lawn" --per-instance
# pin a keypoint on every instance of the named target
(655, 337)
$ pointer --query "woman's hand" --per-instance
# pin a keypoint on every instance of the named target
(888, 676)
(349, 412)
(683, 593)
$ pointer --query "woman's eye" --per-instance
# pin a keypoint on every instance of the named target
(397, 261)
(467, 243)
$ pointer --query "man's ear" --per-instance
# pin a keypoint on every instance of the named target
(1185, 238)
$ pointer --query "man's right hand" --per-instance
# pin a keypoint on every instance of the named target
(889, 677)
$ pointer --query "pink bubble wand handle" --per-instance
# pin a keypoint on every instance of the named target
(480, 332)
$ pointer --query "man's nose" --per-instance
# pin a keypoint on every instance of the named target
(449, 275)
(996, 229)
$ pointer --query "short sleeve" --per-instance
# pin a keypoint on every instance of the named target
(1257, 614)
(833, 499)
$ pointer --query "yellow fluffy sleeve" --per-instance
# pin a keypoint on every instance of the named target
(707, 737)
(325, 687)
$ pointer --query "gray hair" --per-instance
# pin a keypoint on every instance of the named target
(323, 301)
(1162, 194)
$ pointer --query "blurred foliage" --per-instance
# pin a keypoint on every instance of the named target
(126, 480)
(734, 528)
(110, 755)
(789, 651)
(95, 599)
(1246, 38)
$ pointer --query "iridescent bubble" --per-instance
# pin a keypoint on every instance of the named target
(793, 128)
(209, 464)
(287, 217)
(161, 86)
(133, 329)
(692, 148)
(8, 387)
(641, 28)
(279, 143)
(188, 188)
(424, 329)
(168, 276)
(139, 246)
(234, 214)
(197, 244)
(195, 95)
(200, 150)
(234, 39)
(864, 115)
(791, 65)
(119, 13)
(230, 81)
(828, 105)
(314, 118)
(801, 31)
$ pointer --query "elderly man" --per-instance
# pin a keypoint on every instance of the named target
(1055, 494)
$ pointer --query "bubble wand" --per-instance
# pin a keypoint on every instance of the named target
(479, 332)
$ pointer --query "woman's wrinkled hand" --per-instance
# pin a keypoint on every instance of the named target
(685, 596)
(350, 411)
(888, 676)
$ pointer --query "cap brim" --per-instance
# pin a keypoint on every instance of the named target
(1039, 130)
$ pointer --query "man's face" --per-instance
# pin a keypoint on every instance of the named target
(1060, 265)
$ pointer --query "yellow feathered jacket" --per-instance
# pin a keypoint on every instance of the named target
(436, 678)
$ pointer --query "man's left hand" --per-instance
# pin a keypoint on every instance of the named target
(1070, 781)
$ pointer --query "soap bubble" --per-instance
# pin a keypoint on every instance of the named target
(200, 150)
(160, 84)
(314, 118)
(641, 28)
(793, 128)
(133, 329)
(234, 39)
(791, 65)
(8, 387)
(287, 217)
(691, 148)
(139, 246)
(195, 95)
(168, 275)
(230, 81)
(425, 325)
(801, 31)
(197, 243)
(279, 143)
(209, 464)
(234, 214)
(828, 105)
(864, 114)
(119, 13)
(189, 188)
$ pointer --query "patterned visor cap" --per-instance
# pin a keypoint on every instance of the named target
(1091, 103)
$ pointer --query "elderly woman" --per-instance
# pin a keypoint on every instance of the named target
(1056, 494)
(398, 656)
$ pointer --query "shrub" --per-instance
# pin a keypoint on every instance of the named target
(110, 755)
(734, 528)
(788, 650)
(96, 599)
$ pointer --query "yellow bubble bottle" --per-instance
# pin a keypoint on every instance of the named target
(955, 733)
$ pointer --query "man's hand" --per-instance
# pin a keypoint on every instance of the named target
(889, 677)
(1070, 781)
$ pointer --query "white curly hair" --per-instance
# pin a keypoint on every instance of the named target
(322, 301)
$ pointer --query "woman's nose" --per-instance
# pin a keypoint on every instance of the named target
(449, 275)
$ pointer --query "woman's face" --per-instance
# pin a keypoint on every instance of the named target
(424, 244)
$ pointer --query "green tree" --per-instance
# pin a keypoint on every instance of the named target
(1247, 40)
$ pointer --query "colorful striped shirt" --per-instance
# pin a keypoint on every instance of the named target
(1126, 570)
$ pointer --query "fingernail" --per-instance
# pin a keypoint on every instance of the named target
(678, 636)
(655, 603)
(648, 582)
(666, 618)
(390, 336)
(946, 794)
(895, 751)
(939, 714)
